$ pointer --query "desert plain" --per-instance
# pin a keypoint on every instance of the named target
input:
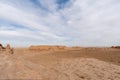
(60, 63)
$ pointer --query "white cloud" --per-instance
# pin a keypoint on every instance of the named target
(94, 20)
(49, 5)
(83, 22)
(26, 19)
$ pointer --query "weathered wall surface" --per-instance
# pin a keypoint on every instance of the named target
(6, 49)
(117, 47)
(47, 48)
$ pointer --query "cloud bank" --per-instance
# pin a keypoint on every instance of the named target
(60, 22)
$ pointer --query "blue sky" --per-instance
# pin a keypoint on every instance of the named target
(60, 22)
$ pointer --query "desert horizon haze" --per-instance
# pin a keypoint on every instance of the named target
(60, 22)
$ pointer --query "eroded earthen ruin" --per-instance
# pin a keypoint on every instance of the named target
(7, 49)
(117, 47)
(47, 48)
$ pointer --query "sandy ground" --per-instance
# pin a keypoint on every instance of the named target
(83, 64)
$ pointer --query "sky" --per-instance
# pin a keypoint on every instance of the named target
(60, 22)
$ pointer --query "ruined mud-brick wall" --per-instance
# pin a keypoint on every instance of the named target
(76, 47)
(7, 49)
(47, 48)
(117, 47)
(1, 47)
